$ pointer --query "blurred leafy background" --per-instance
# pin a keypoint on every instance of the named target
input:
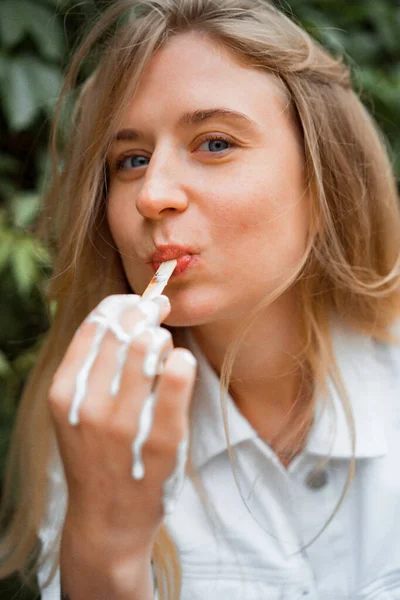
(36, 41)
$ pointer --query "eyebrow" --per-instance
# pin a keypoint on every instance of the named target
(198, 116)
(190, 119)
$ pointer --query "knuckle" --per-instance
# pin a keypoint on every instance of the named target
(130, 316)
(139, 346)
(117, 300)
(119, 305)
(175, 378)
(91, 418)
(86, 329)
(58, 395)
(119, 429)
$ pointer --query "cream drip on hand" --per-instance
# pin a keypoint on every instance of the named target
(107, 317)
(173, 485)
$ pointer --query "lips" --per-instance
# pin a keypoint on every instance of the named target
(164, 253)
(184, 255)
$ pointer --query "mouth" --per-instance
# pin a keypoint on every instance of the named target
(186, 258)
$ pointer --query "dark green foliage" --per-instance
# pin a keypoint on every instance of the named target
(366, 32)
(36, 39)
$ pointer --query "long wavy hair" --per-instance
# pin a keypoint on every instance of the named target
(350, 266)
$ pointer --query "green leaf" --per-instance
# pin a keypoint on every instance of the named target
(333, 38)
(28, 86)
(25, 208)
(384, 88)
(24, 266)
(42, 255)
(46, 30)
(5, 367)
(47, 82)
(12, 22)
(22, 18)
(19, 99)
(53, 308)
(6, 244)
(382, 17)
(363, 46)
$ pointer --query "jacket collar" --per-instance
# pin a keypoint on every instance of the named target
(367, 381)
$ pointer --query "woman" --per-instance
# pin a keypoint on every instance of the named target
(217, 130)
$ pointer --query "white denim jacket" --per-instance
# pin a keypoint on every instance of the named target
(261, 551)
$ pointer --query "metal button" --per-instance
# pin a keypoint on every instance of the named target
(317, 479)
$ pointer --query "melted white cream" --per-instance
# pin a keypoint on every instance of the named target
(107, 317)
(173, 485)
(144, 426)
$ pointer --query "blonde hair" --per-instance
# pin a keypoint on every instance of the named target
(350, 267)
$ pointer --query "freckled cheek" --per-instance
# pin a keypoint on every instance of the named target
(240, 204)
(250, 213)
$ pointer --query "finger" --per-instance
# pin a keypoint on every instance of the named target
(97, 389)
(86, 345)
(164, 305)
(122, 403)
(162, 420)
(174, 392)
(83, 339)
(124, 311)
(145, 356)
(64, 380)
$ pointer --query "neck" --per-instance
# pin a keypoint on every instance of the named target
(267, 383)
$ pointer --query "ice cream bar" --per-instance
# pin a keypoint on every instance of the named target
(160, 279)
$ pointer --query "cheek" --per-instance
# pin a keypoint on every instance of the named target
(264, 208)
(238, 204)
(250, 207)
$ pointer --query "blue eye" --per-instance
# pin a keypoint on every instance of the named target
(216, 144)
(132, 162)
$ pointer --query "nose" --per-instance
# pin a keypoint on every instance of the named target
(162, 188)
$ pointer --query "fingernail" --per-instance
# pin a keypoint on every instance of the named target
(162, 301)
(188, 356)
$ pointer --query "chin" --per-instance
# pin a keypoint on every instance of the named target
(184, 319)
(193, 309)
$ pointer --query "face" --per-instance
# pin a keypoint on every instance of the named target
(188, 171)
